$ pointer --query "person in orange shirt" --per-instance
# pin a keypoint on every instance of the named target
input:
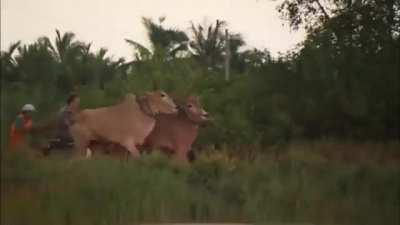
(21, 126)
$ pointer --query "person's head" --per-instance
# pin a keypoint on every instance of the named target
(27, 109)
(73, 101)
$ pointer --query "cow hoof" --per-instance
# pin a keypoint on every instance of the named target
(88, 153)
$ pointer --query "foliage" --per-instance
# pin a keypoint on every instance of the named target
(301, 188)
(208, 44)
(341, 82)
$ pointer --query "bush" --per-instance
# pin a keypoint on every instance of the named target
(215, 188)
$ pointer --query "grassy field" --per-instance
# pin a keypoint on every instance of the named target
(318, 183)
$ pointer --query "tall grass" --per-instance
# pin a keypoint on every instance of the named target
(301, 187)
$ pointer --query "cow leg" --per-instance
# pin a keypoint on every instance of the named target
(88, 153)
(134, 152)
(81, 141)
(191, 155)
(82, 148)
(182, 156)
(130, 146)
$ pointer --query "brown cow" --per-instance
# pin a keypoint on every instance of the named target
(176, 133)
(127, 123)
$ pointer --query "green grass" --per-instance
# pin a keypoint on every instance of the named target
(302, 186)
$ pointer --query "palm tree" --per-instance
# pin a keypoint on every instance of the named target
(208, 45)
(169, 40)
(8, 73)
(106, 69)
(165, 43)
(141, 52)
(35, 62)
(8, 63)
(66, 48)
(7, 55)
(71, 56)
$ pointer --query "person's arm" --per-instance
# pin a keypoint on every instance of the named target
(28, 125)
(21, 125)
(68, 118)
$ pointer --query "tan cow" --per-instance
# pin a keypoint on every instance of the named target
(176, 133)
(127, 123)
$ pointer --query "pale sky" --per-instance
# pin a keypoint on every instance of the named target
(106, 23)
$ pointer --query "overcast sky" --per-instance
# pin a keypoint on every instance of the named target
(106, 23)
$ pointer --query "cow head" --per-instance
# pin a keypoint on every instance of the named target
(194, 110)
(160, 102)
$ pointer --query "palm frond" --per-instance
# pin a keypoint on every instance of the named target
(13, 47)
(144, 53)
